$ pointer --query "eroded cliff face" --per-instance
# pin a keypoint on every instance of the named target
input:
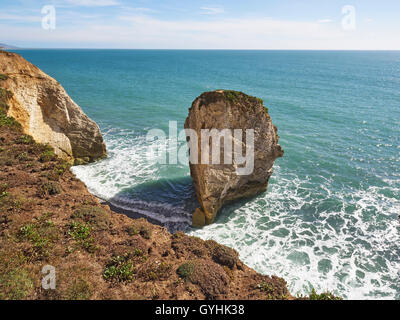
(218, 183)
(46, 112)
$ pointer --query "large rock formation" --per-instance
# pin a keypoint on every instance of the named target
(221, 181)
(46, 112)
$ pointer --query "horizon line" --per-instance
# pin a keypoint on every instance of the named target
(189, 49)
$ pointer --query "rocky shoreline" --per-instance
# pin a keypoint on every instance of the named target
(48, 218)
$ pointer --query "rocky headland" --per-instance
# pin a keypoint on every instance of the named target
(46, 112)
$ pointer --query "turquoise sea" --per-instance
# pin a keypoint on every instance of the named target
(330, 217)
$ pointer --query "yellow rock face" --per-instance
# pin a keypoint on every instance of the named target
(46, 112)
(219, 183)
(198, 219)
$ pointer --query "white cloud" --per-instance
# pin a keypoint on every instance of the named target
(93, 3)
(138, 30)
(325, 21)
(212, 10)
(20, 18)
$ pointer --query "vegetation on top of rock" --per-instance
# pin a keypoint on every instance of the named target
(235, 96)
(3, 77)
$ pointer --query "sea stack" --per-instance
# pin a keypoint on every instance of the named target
(218, 181)
(46, 112)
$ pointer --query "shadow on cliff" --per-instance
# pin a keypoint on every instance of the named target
(166, 202)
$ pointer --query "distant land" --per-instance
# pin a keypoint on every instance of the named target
(6, 46)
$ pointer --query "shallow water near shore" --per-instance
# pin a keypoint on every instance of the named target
(330, 217)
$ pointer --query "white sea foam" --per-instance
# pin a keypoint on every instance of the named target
(358, 258)
(320, 236)
(128, 166)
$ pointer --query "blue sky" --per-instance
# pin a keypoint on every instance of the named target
(204, 24)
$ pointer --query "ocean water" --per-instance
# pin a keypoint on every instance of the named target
(330, 217)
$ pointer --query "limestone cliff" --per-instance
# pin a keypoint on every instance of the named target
(46, 112)
(218, 183)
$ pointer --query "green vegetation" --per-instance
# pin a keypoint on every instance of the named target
(15, 285)
(56, 170)
(79, 290)
(139, 228)
(82, 234)
(3, 77)
(79, 231)
(24, 139)
(8, 121)
(3, 188)
(265, 287)
(22, 157)
(61, 167)
(155, 271)
(4, 96)
(132, 230)
(236, 96)
(233, 96)
(145, 232)
(185, 270)
(95, 216)
(41, 234)
(139, 253)
(48, 155)
(4, 119)
(119, 269)
(49, 188)
(10, 203)
(225, 256)
(323, 296)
